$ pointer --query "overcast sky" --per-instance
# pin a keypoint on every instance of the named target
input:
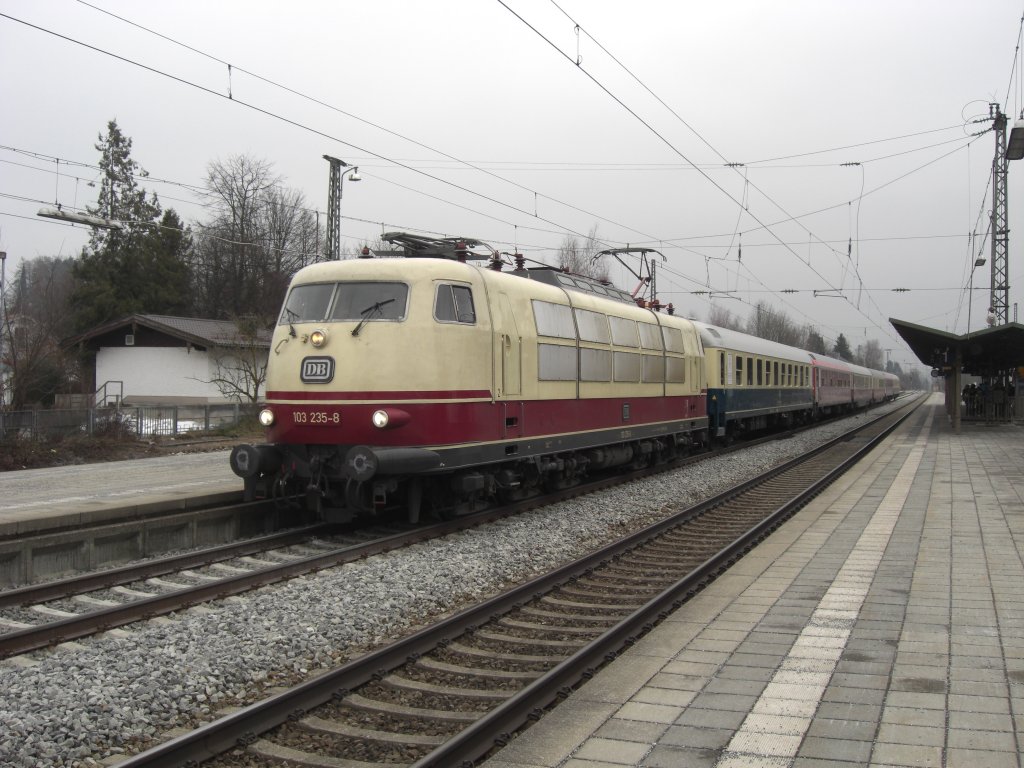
(853, 123)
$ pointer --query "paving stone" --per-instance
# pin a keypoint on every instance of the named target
(923, 632)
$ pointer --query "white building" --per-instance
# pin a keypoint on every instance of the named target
(172, 360)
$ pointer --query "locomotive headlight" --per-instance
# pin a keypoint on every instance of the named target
(318, 338)
(390, 418)
(266, 417)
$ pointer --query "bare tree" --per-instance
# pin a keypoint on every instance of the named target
(289, 229)
(721, 317)
(35, 320)
(767, 322)
(259, 236)
(240, 370)
(580, 258)
(874, 356)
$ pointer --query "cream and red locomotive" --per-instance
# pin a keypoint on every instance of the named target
(428, 380)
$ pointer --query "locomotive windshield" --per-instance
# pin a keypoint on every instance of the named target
(354, 300)
(316, 302)
(307, 303)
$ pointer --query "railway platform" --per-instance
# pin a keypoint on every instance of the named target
(882, 625)
(42, 500)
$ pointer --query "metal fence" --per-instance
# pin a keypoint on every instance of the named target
(138, 420)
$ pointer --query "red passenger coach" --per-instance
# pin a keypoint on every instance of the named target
(832, 380)
(428, 382)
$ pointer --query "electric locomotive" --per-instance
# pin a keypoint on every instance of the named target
(428, 382)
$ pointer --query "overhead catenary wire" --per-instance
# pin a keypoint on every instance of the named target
(543, 230)
(294, 123)
(674, 149)
(363, 120)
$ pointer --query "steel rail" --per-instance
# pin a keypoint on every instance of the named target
(477, 739)
(242, 727)
(90, 582)
(75, 627)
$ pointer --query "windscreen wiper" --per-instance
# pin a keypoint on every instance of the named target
(292, 315)
(369, 312)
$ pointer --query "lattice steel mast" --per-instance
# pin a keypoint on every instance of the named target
(1000, 299)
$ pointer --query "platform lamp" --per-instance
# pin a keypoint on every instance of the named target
(978, 262)
(1015, 144)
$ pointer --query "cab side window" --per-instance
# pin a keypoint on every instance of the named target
(454, 304)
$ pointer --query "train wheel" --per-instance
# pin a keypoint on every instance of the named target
(358, 499)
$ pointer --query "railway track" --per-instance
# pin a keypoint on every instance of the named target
(41, 615)
(453, 692)
(47, 614)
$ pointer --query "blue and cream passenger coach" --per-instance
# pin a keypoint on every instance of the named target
(753, 383)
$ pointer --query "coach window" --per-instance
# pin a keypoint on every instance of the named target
(593, 326)
(554, 320)
(627, 366)
(595, 364)
(739, 370)
(673, 340)
(721, 369)
(775, 375)
(650, 336)
(653, 369)
(760, 379)
(750, 371)
(454, 304)
(624, 332)
(675, 370)
(556, 363)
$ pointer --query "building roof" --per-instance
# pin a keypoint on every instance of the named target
(199, 331)
(983, 352)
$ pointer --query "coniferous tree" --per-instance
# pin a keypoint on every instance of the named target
(139, 267)
(842, 349)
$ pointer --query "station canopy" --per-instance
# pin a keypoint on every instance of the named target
(984, 353)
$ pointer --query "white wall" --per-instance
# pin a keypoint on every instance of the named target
(172, 372)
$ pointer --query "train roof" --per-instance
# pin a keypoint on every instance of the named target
(441, 265)
(846, 365)
(714, 337)
(555, 276)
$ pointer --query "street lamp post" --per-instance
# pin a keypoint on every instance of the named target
(337, 179)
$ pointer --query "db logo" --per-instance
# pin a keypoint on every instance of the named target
(317, 370)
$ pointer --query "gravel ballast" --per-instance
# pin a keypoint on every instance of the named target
(114, 694)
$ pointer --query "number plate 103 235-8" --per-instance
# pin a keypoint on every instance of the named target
(323, 417)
